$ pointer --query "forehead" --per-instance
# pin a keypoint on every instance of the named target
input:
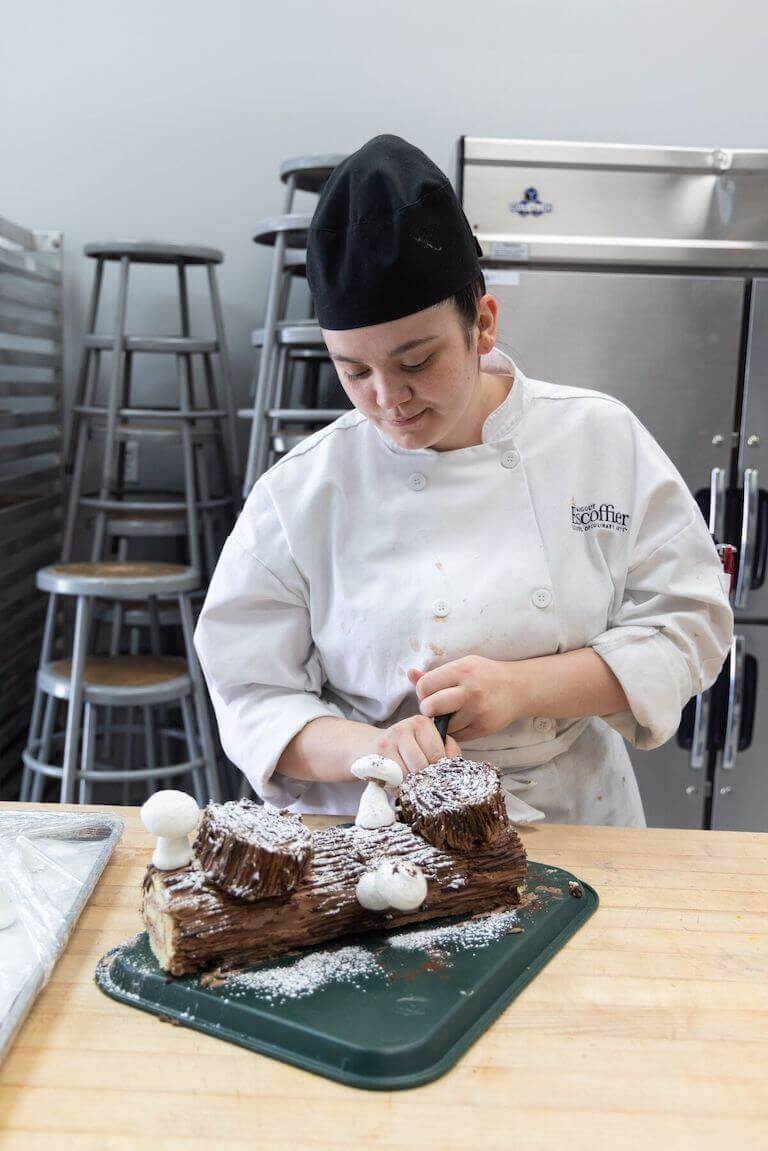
(387, 341)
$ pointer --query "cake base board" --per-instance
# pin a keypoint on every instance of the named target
(405, 1020)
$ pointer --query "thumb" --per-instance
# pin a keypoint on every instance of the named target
(451, 746)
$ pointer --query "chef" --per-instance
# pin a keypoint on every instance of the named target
(467, 540)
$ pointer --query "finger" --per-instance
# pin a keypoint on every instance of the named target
(428, 738)
(411, 753)
(451, 747)
(437, 679)
(443, 703)
(414, 675)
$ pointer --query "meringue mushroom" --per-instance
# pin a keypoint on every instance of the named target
(402, 884)
(367, 893)
(171, 815)
(375, 810)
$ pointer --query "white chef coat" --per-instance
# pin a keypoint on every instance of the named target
(354, 559)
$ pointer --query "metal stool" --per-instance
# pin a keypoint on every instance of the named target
(194, 428)
(86, 683)
(277, 424)
(306, 174)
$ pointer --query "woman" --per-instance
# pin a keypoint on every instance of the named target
(519, 554)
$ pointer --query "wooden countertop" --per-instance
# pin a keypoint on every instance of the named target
(649, 1030)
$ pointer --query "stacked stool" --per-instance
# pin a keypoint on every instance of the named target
(93, 707)
(121, 514)
(277, 422)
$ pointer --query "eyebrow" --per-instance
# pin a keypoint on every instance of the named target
(398, 351)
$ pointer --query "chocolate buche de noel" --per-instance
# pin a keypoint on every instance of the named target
(258, 883)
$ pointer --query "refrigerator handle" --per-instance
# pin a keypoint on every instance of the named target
(748, 531)
(717, 504)
(735, 703)
(700, 728)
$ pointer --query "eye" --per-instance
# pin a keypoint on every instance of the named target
(416, 367)
(358, 376)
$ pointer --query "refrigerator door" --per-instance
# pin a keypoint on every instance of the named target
(668, 346)
(751, 595)
(740, 786)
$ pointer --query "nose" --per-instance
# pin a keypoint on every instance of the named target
(390, 394)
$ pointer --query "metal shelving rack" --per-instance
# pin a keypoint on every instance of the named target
(31, 477)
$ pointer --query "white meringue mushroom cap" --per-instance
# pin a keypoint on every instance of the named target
(170, 814)
(367, 893)
(403, 885)
(377, 767)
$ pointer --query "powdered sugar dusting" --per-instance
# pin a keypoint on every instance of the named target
(451, 784)
(257, 824)
(471, 935)
(307, 975)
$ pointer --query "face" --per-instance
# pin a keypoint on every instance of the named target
(416, 378)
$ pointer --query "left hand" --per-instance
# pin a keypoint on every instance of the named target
(484, 695)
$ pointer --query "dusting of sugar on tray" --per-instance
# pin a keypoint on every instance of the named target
(469, 935)
(306, 975)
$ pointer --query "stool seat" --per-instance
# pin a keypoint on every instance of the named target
(306, 335)
(152, 501)
(151, 252)
(156, 345)
(147, 523)
(159, 413)
(122, 670)
(170, 433)
(292, 227)
(126, 580)
(309, 173)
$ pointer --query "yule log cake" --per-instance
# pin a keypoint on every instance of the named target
(257, 883)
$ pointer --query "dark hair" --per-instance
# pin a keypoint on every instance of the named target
(465, 303)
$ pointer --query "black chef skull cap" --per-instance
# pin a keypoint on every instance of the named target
(388, 238)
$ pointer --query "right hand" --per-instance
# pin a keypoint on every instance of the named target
(413, 743)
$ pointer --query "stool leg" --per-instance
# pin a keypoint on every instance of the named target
(189, 466)
(201, 702)
(44, 752)
(85, 358)
(155, 646)
(206, 513)
(149, 744)
(85, 791)
(75, 707)
(113, 406)
(133, 648)
(228, 477)
(256, 455)
(78, 465)
(193, 752)
(226, 370)
(33, 737)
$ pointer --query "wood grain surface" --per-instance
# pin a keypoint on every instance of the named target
(649, 1030)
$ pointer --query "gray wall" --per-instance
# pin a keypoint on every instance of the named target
(169, 119)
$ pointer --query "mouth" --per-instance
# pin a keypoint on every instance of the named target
(406, 423)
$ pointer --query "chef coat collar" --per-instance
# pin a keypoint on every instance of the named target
(498, 424)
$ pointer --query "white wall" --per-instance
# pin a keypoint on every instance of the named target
(168, 118)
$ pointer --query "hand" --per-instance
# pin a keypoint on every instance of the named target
(483, 694)
(413, 743)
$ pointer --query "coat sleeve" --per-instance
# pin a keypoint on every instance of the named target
(255, 646)
(671, 623)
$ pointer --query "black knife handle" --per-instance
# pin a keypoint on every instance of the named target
(441, 723)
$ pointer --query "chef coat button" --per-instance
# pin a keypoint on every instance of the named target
(510, 459)
(441, 607)
(542, 597)
(417, 481)
(543, 723)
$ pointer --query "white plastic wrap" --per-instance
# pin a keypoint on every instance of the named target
(49, 865)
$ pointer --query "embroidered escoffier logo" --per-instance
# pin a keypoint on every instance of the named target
(591, 516)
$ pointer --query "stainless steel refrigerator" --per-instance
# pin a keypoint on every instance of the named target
(643, 272)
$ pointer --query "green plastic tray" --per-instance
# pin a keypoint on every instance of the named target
(402, 1025)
